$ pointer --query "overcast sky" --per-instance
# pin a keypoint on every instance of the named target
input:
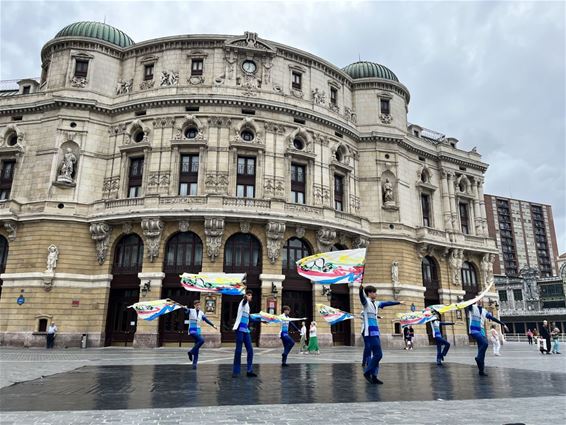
(490, 74)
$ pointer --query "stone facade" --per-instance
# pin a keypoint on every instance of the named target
(76, 144)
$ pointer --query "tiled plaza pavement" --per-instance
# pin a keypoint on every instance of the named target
(524, 387)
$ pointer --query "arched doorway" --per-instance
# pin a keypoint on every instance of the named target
(431, 282)
(124, 291)
(469, 279)
(3, 258)
(297, 291)
(242, 254)
(340, 298)
(183, 254)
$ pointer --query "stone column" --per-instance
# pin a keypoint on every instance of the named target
(447, 210)
(147, 332)
(323, 327)
(271, 303)
(453, 205)
(482, 208)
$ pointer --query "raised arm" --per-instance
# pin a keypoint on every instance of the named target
(383, 304)
(205, 319)
(446, 323)
(494, 319)
(363, 297)
(294, 326)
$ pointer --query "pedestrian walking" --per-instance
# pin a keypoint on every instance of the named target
(287, 341)
(407, 338)
(555, 340)
(196, 316)
(530, 336)
(412, 336)
(243, 337)
(545, 335)
(303, 344)
(495, 340)
(313, 339)
(535, 337)
(51, 333)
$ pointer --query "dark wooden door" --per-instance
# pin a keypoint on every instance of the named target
(230, 305)
(172, 326)
(300, 303)
(121, 322)
(341, 300)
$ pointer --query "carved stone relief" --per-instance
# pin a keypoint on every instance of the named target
(52, 257)
(455, 261)
(300, 232)
(169, 78)
(213, 229)
(124, 86)
(147, 84)
(395, 278)
(66, 173)
(152, 230)
(325, 238)
(11, 229)
(318, 97)
(100, 233)
(245, 226)
(184, 226)
(275, 232)
(216, 183)
(360, 242)
(79, 82)
(385, 118)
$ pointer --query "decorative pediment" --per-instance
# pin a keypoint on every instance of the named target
(250, 41)
(191, 130)
(300, 142)
(12, 140)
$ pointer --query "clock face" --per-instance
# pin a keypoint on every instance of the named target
(249, 66)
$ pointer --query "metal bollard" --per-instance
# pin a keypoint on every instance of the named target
(83, 340)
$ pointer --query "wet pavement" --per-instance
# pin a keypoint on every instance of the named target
(177, 385)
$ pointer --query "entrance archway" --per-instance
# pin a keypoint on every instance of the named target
(183, 254)
(341, 332)
(124, 291)
(297, 291)
(242, 254)
(431, 282)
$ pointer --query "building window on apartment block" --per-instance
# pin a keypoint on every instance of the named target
(197, 66)
(502, 296)
(135, 177)
(81, 68)
(385, 106)
(245, 180)
(333, 96)
(188, 176)
(338, 193)
(6, 179)
(425, 206)
(541, 240)
(148, 72)
(297, 81)
(518, 294)
(297, 184)
(464, 217)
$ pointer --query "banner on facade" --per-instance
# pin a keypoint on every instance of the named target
(327, 268)
(149, 310)
(333, 315)
(222, 283)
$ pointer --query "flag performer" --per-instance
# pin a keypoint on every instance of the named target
(435, 325)
(243, 337)
(287, 341)
(196, 316)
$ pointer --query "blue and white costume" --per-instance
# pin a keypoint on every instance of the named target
(371, 330)
(440, 341)
(288, 342)
(477, 316)
(243, 337)
(367, 352)
(195, 317)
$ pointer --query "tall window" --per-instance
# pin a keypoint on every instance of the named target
(245, 182)
(338, 193)
(242, 252)
(333, 96)
(148, 72)
(430, 278)
(6, 178)
(81, 68)
(464, 218)
(469, 278)
(297, 81)
(502, 295)
(183, 254)
(197, 66)
(539, 228)
(135, 177)
(128, 258)
(297, 184)
(425, 206)
(294, 250)
(507, 238)
(188, 177)
(385, 106)
(518, 294)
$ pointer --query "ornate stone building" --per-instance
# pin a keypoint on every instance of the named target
(128, 163)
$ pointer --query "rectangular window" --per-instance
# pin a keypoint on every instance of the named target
(81, 68)
(148, 72)
(385, 110)
(135, 177)
(333, 96)
(26, 90)
(297, 184)
(197, 66)
(6, 179)
(464, 219)
(297, 81)
(502, 295)
(338, 193)
(188, 175)
(517, 294)
(245, 179)
(425, 205)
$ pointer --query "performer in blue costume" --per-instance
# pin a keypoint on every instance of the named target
(440, 341)
(366, 355)
(477, 315)
(243, 337)
(368, 298)
(195, 317)
(288, 342)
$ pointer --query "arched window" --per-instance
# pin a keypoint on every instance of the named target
(431, 281)
(242, 253)
(469, 278)
(128, 257)
(183, 254)
(294, 250)
(3, 253)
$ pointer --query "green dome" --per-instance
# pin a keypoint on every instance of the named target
(96, 30)
(365, 69)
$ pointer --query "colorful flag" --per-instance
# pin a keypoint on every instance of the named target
(334, 267)
(272, 318)
(222, 283)
(333, 315)
(428, 314)
(149, 310)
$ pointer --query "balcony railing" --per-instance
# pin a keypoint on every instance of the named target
(246, 202)
(172, 200)
(121, 203)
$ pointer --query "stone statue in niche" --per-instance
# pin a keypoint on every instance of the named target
(52, 257)
(395, 272)
(67, 167)
(388, 198)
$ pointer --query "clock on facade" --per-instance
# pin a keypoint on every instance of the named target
(249, 66)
